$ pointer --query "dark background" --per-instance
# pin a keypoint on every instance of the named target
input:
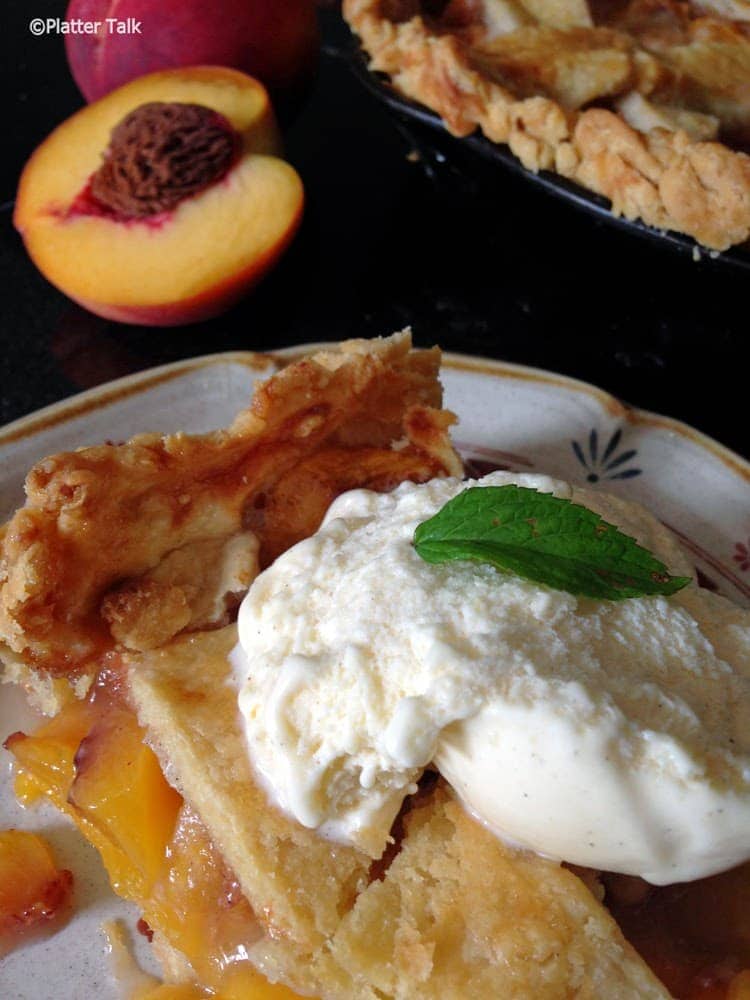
(474, 258)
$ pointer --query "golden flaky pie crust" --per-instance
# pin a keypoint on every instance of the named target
(456, 916)
(127, 545)
(646, 102)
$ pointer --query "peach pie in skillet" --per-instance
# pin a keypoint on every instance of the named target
(285, 795)
(646, 102)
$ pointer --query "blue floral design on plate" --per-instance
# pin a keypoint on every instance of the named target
(606, 463)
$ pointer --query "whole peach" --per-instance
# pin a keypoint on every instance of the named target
(275, 41)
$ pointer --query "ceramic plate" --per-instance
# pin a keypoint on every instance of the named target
(510, 417)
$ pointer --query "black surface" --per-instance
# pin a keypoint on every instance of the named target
(477, 260)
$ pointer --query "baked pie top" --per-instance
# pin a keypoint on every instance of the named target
(646, 102)
(131, 544)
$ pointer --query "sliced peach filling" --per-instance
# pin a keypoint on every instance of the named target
(92, 763)
(694, 935)
(33, 891)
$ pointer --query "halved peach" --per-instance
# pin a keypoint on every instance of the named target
(181, 253)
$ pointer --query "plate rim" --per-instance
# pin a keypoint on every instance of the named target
(113, 390)
(263, 362)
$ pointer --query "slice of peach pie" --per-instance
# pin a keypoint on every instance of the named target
(121, 579)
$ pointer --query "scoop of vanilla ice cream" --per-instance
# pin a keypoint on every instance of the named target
(607, 734)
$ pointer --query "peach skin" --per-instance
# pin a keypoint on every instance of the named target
(165, 201)
(273, 40)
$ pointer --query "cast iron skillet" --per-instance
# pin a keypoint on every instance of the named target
(379, 86)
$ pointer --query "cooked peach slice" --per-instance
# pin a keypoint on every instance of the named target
(90, 761)
(163, 202)
(120, 790)
(46, 760)
(32, 889)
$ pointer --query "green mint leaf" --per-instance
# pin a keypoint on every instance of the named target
(545, 539)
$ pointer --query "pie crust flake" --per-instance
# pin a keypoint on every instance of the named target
(646, 102)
